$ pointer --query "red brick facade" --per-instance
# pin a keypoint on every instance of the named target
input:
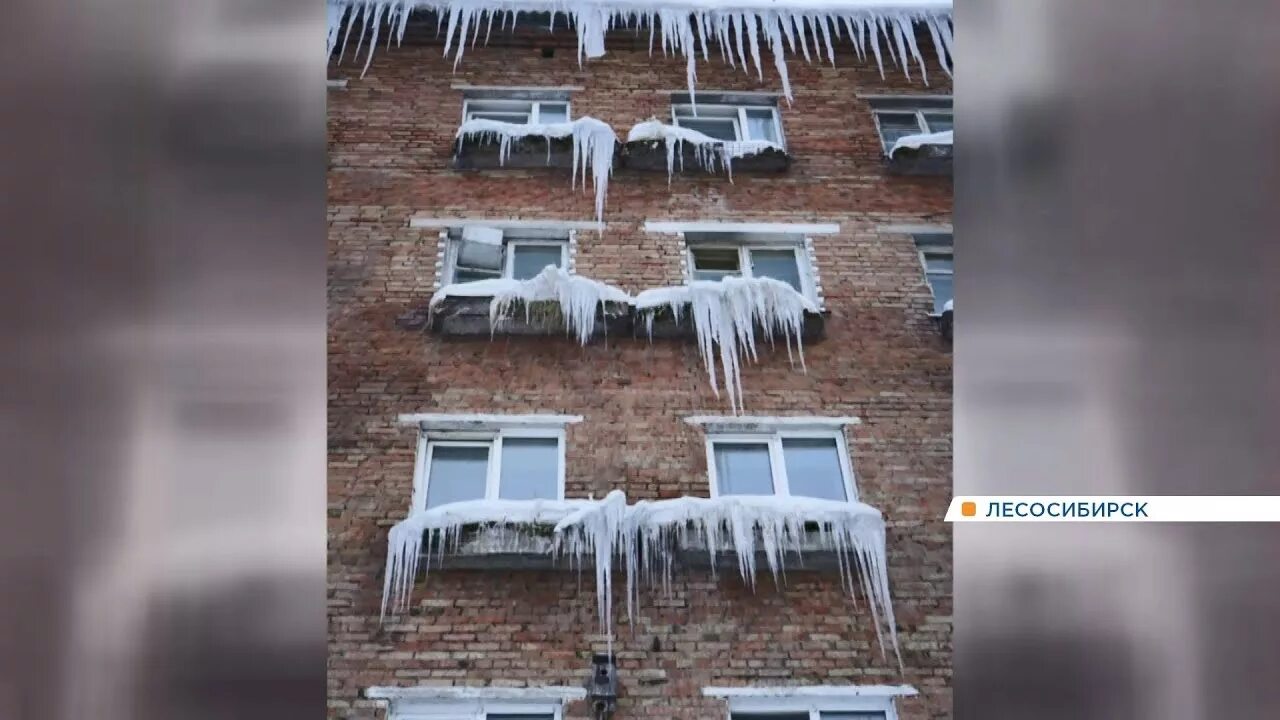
(390, 142)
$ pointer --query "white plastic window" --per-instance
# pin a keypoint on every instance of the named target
(780, 262)
(799, 464)
(938, 272)
(479, 711)
(731, 123)
(896, 124)
(519, 112)
(515, 258)
(811, 715)
(508, 465)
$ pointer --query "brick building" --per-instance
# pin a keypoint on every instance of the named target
(430, 406)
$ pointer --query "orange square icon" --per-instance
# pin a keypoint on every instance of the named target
(968, 508)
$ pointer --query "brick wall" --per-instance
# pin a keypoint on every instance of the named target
(390, 140)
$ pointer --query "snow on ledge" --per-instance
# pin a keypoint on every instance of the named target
(874, 27)
(593, 144)
(948, 306)
(725, 314)
(913, 142)
(811, 691)
(707, 150)
(737, 423)
(642, 537)
(578, 297)
(463, 421)
(544, 693)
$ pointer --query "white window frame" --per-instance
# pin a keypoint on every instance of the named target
(921, 124)
(777, 462)
(535, 109)
(477, 710)
(508, 259)
(808, 285)
(924, 250)
(428, 441)
(814, 708)
(739, 119)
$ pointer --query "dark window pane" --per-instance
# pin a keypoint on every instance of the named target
(760, 126)
(457, 473)
(770, 716)
(777, 264)
(743, 469)
(897, 125)
(941, 286)
(507, 117)
(462, 275)
(813, 468)
(852, 715)
(530, 469)
(939, 122)
(553, 113)
(938, 262)
(711, 127)
(714, 263)
(530, 260)
(518, 716)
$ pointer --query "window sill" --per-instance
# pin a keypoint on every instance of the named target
(478, 154)
(651, 155)
(461, 316)
(666, 326)
(500, 548)
(925, 160)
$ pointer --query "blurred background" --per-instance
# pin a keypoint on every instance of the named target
(162, 386)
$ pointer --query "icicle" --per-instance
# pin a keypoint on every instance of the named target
(725, 315)
(579, 298)
(897, 23)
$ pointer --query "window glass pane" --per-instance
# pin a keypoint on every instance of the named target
(480, 255)
(712, 127)
(760, 126)
(553, 112)
(852, 716)
(530, 469)
(509, 117)
(770, 716)
(518, 716)
(714, 263)
(897, 125)
(743, 468)
(939, 122)
(529, 260)
(777, 264)
(463, 275)
(457, 473)
(935, 263)
(942, 292)
(813, 468)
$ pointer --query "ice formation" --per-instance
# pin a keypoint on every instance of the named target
(707, 150)
(912, 142)
(643, 536)
(725, 314)
(578, 297)
(593, 144)
(683, 27)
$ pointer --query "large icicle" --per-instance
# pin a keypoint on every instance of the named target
(593, 144)
(578, 298)
(708, 151)
(642, 537)
(725, 314)
(681, 24)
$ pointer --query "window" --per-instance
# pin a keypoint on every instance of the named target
(520, 112)
(801, 464)
(936, 257)
(714, 258)
(488, 253)
(512, 464)
(731, 123)
(899, 116)
(813, 715)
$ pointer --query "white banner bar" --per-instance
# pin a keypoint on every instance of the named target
(1114, 508)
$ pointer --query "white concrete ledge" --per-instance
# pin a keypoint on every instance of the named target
(675, 226)
(463, 421)
(768, 423)
(811, 691)
(449, 223)
(546, 693)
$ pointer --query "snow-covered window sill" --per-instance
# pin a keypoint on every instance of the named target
(927, 159)
(656, 146)
(667, 326)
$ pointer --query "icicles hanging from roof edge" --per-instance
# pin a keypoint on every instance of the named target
(737, 29)
(578, 298)
(593, 147)
(725, 315)
(642, 537)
